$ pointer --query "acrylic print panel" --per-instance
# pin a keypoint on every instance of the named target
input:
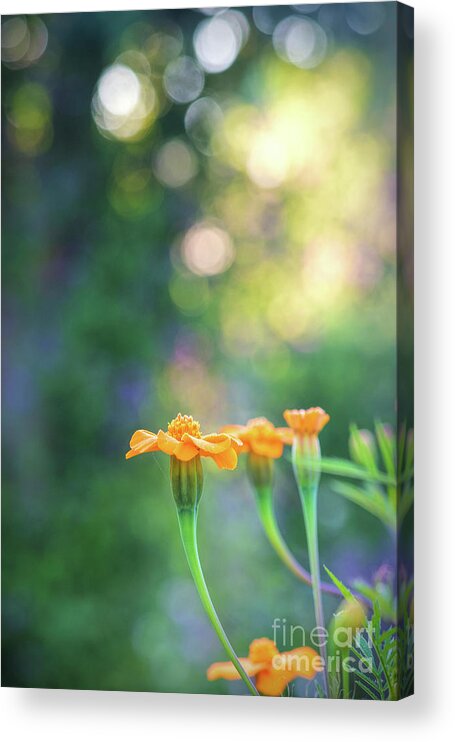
(207, 266)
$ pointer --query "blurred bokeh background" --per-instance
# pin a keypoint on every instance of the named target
(198, 216)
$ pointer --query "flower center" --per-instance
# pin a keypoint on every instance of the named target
(183, 424)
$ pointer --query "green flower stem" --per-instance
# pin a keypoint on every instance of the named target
(344, 673)
(264, 501)
(187, 522)
(268, 520)
(306, 455)
(308, 497)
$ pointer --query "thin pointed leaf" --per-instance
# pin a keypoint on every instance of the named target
(361, 451)
(346, 468)
(386, 447)
(365, 679)
(346, 593)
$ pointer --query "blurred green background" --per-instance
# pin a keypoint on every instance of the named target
(198, 216)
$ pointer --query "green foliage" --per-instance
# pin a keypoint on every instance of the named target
(383, 667)
(381, 594)
(370, 498)
(389, 656)
(388, 495)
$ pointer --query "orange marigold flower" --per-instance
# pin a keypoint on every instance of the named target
(307, 422)
(184, 440)
(272, 669)
(260, 436)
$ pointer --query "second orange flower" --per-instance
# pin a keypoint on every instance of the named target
(261, 437)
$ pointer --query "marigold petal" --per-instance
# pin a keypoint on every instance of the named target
(212, 443)
(227, 671)
(294, 418)
(141, 435)
(142, 442)
(272, 447)
(185, 451)
(307, 422)
(317, 419)
(226, 459)
(238, 442)
(303, 661)
(166, 443)
(239, 435)
(270, 683)
(285, 667)
(286, 435)
(235, 430)
(262, 650)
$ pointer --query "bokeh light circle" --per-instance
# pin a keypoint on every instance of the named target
(216, 44)
(300, 41)
(263, 19)
(15, 39)
(119, 90)
(124, 103)
(201, 120)
(175, 164)
(268, 162)
(365, 18)
(183, 80)
(207, 249)
(24, 41)
(306, 7)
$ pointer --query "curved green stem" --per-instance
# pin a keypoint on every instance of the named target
(187, 522)
(267, 515)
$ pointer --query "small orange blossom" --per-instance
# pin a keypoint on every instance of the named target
(260, 436)
(183, 440)
(307, 422)
(273, 670)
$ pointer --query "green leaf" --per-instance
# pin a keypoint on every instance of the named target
(362, 447)
(364, 647)
(367, 679)
(345, 468)
(364, 589)
(375, 621)
(383, 656)
(373, 502)
(346, 593)
(385, 599)
(386, 446)
(367, 690)
(386, 635)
